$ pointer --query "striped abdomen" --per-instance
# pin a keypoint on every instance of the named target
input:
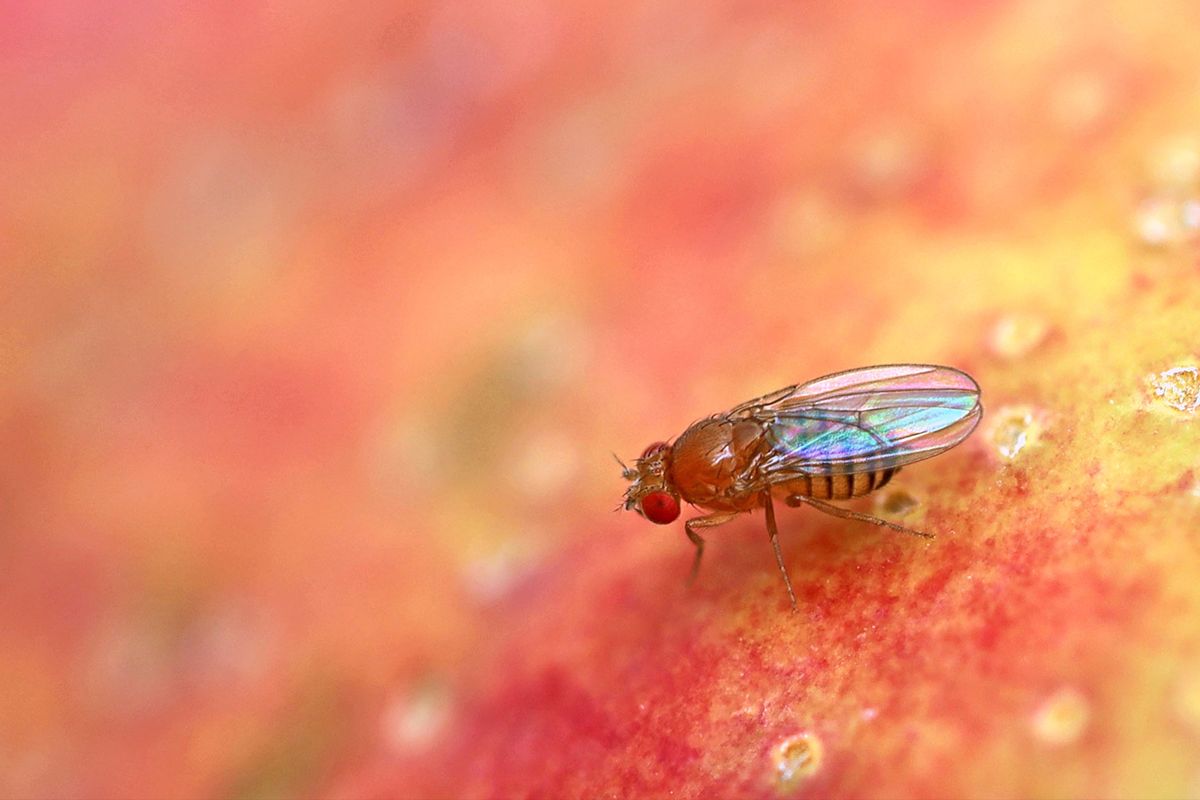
(839, 487)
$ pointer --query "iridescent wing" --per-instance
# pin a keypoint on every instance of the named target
(865, 419)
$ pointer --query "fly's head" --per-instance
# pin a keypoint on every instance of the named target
(650, 491)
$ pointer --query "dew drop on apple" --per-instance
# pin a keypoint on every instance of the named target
(1013, 429)
(796, 759)
(1017, 334)
(1169, 214)
(1062, 718)
(1178, 388)
(896, 503)
(415, 717)
(1168, 218)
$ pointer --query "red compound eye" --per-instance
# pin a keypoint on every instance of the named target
(652, 448)
(660, 508)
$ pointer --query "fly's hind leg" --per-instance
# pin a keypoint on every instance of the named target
(845, 513)
(710, 521)
(773, 532)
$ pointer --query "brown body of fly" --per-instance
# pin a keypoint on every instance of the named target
(731, 463)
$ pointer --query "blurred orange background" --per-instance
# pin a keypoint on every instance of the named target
(320, 326)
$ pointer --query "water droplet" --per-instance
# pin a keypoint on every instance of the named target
(412, 720)
(1017, 334)
(1013, 429)
(1062, 718)
(896, 503)
(869, 714)
(1178, 388)
(796, 759)
(1168, 218)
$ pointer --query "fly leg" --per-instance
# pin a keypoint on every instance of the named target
(711, 521)
(773, 532)
(845, 513)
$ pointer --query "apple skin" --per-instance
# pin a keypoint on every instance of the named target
(1043, 644)
(1046, 643)
(322, 325)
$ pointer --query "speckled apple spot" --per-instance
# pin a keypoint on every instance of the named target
(1178, 388)
(1168, 218)
(1017, 334)
(1013, 429)
(1062, 717)
(896, 503)
(796, 759)
(412, 720)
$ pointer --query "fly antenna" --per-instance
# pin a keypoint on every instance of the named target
(627, 473)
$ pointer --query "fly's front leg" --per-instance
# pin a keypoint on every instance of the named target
(711, 521)
(845, 513)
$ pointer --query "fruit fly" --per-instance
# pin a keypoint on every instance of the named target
(833, 438)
